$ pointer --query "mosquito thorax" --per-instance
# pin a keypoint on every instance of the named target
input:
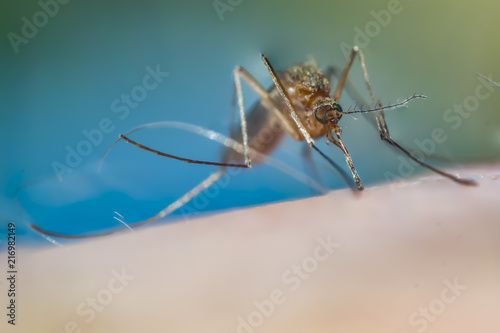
(305, 83)
(326, 110)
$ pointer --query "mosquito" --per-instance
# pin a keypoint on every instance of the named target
(300, 104)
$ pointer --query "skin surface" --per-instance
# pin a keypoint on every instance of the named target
(395, 251)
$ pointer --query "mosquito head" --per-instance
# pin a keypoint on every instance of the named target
(327, 111)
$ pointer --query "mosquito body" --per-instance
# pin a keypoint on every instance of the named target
(269, 121)
(301, 104)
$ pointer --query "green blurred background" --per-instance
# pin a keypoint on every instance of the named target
(64, 79)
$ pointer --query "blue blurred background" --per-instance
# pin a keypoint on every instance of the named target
(67, 76)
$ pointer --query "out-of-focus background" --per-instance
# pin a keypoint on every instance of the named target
(419, 256)
(66, 67)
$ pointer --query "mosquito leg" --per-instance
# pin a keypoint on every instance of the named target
(232, 132)
(385, 136)
(334, 71)
(244, 132)
(215, 176)
(200, 187)
(263, 95)
(338, 142)
(338, 92)
(302, 129)
(381, 123)
(309, 162)
(239, 94)
(343, 78)
(265, 98)
(187, 160)
(285, 97)
(168, 210)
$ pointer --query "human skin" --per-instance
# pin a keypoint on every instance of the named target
(394, 252)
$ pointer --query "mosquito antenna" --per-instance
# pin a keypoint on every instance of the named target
(388, 107)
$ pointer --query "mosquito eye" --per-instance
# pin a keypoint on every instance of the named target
(324, 113)
(327, 112)
(337, 107)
